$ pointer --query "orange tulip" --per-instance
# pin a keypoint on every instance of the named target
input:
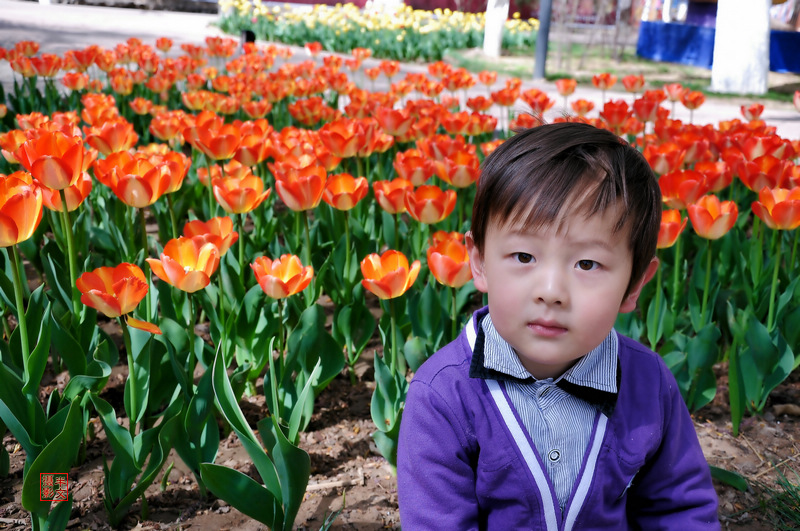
(391, 194)
(218, 231)
(712, 218)
(343, 191)
(283, 277)
(430, 204)
(480, 103)
(604, 81)
(487, 77)
(449, 262)
(388, 275)
(675, 91)
(300, 189)
(764, 171)
(461, 169)
(718, 174)
(186, 263)
(778, 208)
(54, 159)
(683, 187)
(413, 166)
(752, 112)
(582, 107)
(566, 86)
(10, 142)
(113, 291)
(135, 180)
(75, 194)
(664, 158)
(646, 109)
(395, 122)
(20, 208)
(111, 136)
(615, 113)
(218, 143)
(633, 83)
(671, 227)
(693, 99)
(238, 195)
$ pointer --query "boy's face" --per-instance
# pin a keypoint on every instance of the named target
(554, 296)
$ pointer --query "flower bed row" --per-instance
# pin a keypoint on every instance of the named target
(400, 33)
(189, 187)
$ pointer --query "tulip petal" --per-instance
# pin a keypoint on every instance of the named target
(144, 325)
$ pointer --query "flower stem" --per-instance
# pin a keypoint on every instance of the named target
(146, 266)
(211, 200)
(794, 250)
(706, 285)
(393, 339)
(172, 221)
(281, 339)
(657, 307)
(774, 289)
(676, 275)
(65, 221)
(240, 223)
(21, 321)
(133, 414)
(307, 250)
(348, 288)
(453, 315)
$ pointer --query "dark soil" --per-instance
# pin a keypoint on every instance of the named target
(350, 477)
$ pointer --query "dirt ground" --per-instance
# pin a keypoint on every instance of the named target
(348, 475)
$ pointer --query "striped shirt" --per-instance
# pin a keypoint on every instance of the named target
(558, 422)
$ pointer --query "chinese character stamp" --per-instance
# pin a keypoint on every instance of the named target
(53, 486)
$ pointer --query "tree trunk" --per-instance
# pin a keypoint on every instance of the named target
(741, 47)
(496, 16)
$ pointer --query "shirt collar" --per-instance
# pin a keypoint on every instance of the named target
(594, 378)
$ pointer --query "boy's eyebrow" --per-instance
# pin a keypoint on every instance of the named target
(589, 242)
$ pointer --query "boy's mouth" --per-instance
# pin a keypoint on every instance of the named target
(546, 328)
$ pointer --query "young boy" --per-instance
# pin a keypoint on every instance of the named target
(539, 415)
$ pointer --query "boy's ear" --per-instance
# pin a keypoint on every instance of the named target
(629, 302)
(475, 264)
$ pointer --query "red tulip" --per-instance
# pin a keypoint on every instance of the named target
(186, 263)
(448, 260)
(778, 208)
(712, 218)
(671, 227)
(430, 204)
(388, 275)
(218, 231)
(343, 191)
(283, 277)
(20, 208)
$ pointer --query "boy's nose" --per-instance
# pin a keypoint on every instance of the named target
(550, 288)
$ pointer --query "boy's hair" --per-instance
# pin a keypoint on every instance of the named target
(533, 175)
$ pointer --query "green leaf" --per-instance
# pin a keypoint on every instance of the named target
(58, 456)
(729, 477)
(296, 420)
(39, 355)
(242, 492)
(293, 465)
(354, 324)
(309, 343)
(703, 349)
(416, 351)
(229, 407)
(68, 348)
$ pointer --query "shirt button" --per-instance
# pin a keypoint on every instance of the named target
(554, 456)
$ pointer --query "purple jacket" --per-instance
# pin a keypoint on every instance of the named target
(466, 462)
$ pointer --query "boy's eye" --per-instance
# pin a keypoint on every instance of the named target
(586, 265)
(524, 258)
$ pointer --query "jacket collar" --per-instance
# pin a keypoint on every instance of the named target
(595, 379)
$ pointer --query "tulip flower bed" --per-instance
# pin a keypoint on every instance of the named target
(403, 33)
(171, 228)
